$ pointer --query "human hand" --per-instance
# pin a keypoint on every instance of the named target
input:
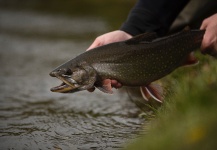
(111, 37)
(209, 43)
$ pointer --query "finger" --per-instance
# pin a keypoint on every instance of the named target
(208, 39)
(119, 85)
(204, 24)
(96, 43)
(209, 44)
(116, 84)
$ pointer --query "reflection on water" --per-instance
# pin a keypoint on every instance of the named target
(31, 117)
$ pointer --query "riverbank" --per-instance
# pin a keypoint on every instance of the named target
(187, 119)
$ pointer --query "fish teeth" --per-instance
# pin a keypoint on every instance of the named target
(66, 76)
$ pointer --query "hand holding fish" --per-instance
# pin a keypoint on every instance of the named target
(114, 36)
(209, 43)
(111, 37)
(137, 61)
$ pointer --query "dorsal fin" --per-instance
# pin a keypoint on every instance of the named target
(146, 37)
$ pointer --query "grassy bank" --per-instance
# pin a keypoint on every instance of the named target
(188, 118)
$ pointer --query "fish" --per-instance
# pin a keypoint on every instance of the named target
(138, 61)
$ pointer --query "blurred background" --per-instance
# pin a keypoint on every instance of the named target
(35, 37)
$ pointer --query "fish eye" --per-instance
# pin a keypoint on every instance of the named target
(68, 72)
(65, 71)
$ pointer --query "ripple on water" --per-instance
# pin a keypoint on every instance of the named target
(81, 121)
(31, 117)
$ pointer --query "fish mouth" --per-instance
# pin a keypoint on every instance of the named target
(68, 84)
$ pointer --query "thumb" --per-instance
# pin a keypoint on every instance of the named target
(96, 43)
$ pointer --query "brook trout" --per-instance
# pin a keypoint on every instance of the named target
(135, 62)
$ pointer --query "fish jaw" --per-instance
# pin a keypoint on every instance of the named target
(68, 85)
(78, 78)
(63, 88)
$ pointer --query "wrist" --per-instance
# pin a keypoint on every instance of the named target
(126, 34)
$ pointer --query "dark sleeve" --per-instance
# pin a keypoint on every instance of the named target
(152, 15)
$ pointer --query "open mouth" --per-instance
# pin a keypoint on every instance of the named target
(62, 88)
(68, 85)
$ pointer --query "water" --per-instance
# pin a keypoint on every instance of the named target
(32, 117)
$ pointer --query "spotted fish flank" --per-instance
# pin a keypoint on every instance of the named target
(135, 62)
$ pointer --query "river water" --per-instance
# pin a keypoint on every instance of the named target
(32, 117)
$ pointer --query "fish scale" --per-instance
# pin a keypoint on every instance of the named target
(135, 62)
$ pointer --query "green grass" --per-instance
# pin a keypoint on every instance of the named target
(188, 117)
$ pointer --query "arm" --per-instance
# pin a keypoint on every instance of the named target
(147, 15)
(153, 15)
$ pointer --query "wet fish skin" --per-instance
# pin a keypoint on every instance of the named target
(135, 62)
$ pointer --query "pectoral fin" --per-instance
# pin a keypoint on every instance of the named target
(152, 90)
(145, 93)
(106, 86)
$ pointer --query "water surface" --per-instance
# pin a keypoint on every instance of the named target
(32, 117)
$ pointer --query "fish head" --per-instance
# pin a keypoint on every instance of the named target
(75, 76)
(72, 79)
